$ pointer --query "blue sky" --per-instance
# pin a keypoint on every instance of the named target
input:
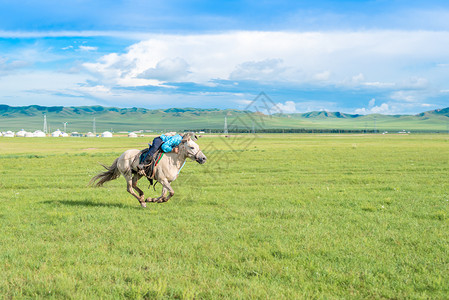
(388, 57)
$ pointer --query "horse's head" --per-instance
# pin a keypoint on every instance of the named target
(191, 149)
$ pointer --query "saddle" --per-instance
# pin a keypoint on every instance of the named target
(147, 163)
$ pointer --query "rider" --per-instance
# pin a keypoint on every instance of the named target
(168, 142)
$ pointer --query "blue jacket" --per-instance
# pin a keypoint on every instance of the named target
(170, 142)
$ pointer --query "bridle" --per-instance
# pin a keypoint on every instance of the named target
(195, 156)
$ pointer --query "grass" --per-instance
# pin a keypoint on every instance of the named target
(278, 216)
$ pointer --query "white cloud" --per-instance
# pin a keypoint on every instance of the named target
(415, 83)
(384, 108)
(44, 87)
(288, 107)
(378, 84)
(293, 58)
(358, 78)
(167, 70)
(322, 76)
(375, 61)
(87, 48)
(405, 95)
(268, 69)
(8, 65)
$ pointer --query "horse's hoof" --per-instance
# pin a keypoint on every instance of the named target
(143, 204)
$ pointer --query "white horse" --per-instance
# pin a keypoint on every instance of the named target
(165, 172)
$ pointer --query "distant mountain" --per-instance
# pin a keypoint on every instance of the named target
(36, 110)
(80, 118)
(439, 112)
(326, 114)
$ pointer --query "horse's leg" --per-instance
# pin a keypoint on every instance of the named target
(167, 187)
(129, 188)
(161, 197)
(135, 179)
(150, 199)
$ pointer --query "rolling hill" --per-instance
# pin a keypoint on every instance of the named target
(116, 119)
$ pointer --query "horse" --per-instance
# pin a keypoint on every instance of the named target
(165, 172)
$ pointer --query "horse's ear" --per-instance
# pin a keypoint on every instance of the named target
(195, 138)
(185, 138)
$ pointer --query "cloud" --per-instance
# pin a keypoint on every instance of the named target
(378, 84)
(322, 76)
(8, 65)
(268, 69)
(358, 78)
(384, 108)
(415, 83)
(405, 95)
(288, 107)
(168, 69)
(380, 58)
(314, 70)
(128, 35)
(87, 48)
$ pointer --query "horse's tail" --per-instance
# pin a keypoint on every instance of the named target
(111, 174)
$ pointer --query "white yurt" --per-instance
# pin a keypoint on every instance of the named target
(56, 133)
(132, 135)
(29, 134)
(21, 133)
(63, 134)
(8, 134)
(38, 133)
(90, 134)
(106, 134)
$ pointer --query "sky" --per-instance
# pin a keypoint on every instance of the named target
(378, 56)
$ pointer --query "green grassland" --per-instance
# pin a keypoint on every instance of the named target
(80, 119)
(268, 216)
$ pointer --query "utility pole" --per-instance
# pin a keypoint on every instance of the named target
(65, 126)
(225, 131)
(94, 128)
(45, 124)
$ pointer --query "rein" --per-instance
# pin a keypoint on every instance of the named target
(195, 156)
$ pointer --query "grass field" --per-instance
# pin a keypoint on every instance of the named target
(277, 216)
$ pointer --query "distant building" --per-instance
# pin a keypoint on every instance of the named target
(132, 135)
(39, 133)
(76, 134)
(8, 134)
(106, 134)
(21, 133)
(56, 133)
